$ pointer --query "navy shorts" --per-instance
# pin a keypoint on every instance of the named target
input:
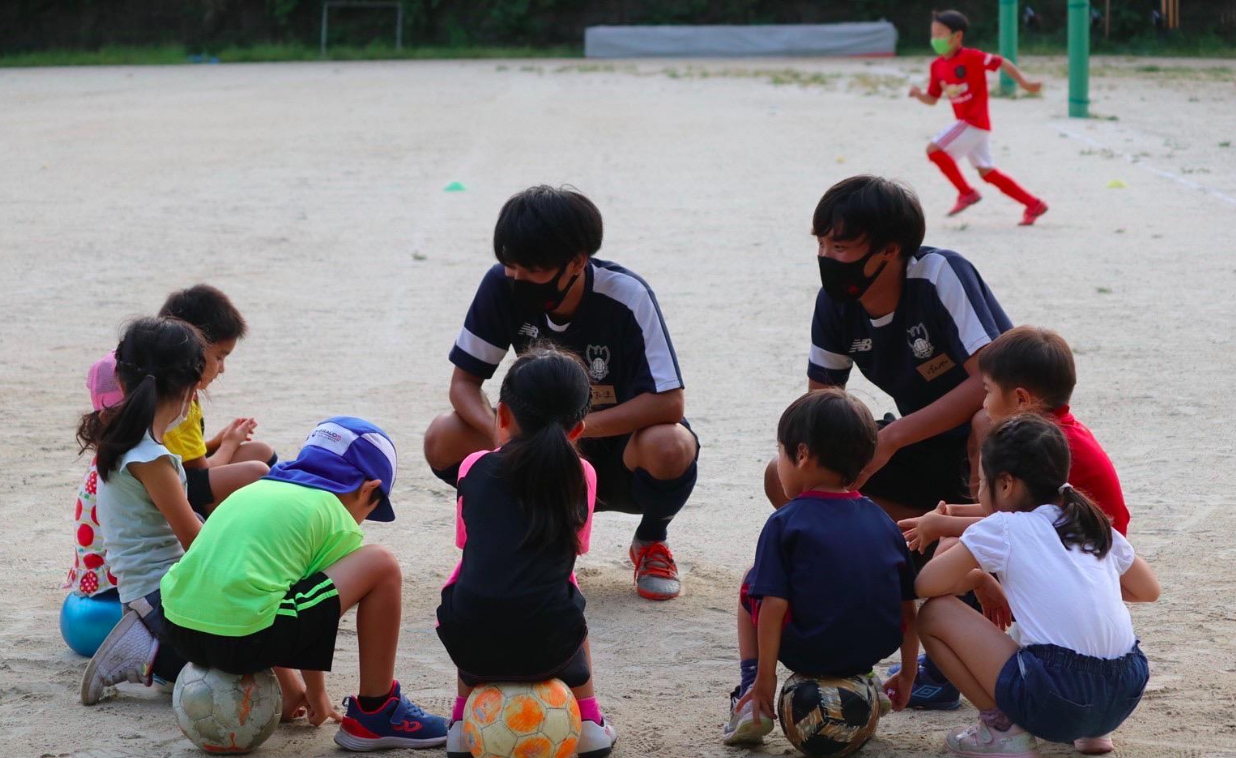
(1059, 695)
(613, 477)
(302, 635)
(200, 493)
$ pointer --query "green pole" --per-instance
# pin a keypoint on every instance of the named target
(1079, 59)
(1008, 43)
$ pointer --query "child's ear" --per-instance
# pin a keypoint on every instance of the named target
(504, 417)
(576, 431)
(802, 456)
(1023, 397)
(370, 494)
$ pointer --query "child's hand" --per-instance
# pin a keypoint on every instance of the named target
(995, 604)
(294, 705)
(240, 430)
(916, 91)
(321, 709)
(922, 531)
(763, 695)
(1033, 87)
(899, 687)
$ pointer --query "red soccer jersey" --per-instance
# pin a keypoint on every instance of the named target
(1092, 471)
(963, 78)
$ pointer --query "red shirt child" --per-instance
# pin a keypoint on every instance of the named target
(1092, 471)
(962, 77)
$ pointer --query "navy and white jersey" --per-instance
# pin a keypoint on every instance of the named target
(917, 353)
(617, 330)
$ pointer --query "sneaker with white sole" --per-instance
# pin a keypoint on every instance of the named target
(980, 741)
(455, 742)
(1094, 745)
(656, 574)
(596, 740)
(742, 729)
(126, 655)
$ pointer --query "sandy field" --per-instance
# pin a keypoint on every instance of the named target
(313, 195)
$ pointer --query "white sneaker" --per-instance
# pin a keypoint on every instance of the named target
(126, 655)
(979, 741)
(596, 740)
(455, 742)
(742, 729)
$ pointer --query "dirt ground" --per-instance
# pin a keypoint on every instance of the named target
(313, 195)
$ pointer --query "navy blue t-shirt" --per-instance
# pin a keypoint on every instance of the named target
(844, 568)
(618, 331)
(916, 354)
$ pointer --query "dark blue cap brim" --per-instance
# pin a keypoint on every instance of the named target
(324, 471)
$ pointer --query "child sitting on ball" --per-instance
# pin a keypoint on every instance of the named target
(279, 562)
(512, 611)
(832, 589)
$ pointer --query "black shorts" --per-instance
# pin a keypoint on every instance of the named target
(301, 637)
(487, 646)
(200, 494)
(613, 477)
(919, 476)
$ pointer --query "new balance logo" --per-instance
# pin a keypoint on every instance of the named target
(407, 726)
(529, 331)
(861, 346)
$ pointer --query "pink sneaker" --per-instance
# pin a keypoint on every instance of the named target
(979, 741)
(965, 201)
(1094, 745)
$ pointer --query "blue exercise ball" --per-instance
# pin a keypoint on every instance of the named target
(86, 621)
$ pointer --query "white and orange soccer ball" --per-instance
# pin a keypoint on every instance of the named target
(516, 720)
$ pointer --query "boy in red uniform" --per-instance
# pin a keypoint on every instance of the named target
(961, 74)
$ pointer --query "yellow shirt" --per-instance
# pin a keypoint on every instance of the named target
(188, 440)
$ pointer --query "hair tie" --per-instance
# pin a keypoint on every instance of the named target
(1063, 487)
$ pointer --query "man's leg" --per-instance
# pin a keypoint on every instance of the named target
(662, 459)
(448, 440)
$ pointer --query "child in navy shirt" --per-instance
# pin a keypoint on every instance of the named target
(832, 589)
(548, 287)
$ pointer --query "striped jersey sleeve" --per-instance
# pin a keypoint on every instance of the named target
(649, 353)
(486, 334)
(829, 361)
(968, 316)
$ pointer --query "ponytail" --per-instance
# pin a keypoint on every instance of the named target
(1032, 449)
(157, 359)
(549, 394)
(1082, 523)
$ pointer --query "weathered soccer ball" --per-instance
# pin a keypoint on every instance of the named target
(827, 716)
(518, 720)
(226, 713)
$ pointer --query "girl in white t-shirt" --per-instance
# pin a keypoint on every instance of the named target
(1065, 575)
(143, 509)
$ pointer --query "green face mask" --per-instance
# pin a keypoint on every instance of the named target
(940, 45)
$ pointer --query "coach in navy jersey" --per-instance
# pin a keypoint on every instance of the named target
(547, 286)
(913, 319)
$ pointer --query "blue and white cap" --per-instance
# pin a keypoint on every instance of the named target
(340, 455)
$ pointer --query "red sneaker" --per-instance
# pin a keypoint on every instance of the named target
(656, 574)
(965, 201)
(1031, 215)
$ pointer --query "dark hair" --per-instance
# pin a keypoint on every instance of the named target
(1033, 450)
(157, 358)
(545, 228)
(956, 21)
(1034, 358)
(207, 309)
(883, 210)
(549, 393)
(838, 430)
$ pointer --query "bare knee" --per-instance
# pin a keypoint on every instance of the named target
(932, 148)
(259, 451)
(438, 439)
(383, 564)
(665, 451)
(255, 470)
(983, 172)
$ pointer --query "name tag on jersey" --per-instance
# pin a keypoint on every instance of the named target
(941, 364)
(603, 394)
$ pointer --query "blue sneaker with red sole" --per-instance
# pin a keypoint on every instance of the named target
(932, 692)
(399, 723)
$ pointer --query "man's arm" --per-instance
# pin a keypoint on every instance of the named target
(470, 402)
(640, 412)
(954, 409)
(1014, 73)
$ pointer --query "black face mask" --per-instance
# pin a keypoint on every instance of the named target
(534, 299)
(846, 282)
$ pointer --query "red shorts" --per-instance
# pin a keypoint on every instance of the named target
(752, 604)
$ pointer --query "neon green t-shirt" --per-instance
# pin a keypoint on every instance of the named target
(255, 545)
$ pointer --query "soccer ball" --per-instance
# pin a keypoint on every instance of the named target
(226, 713)
(828, 716)
(516, 720)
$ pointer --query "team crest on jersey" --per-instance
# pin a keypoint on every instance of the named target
(920, 342)
(530, 331)
(598, 361)
(960, 72)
